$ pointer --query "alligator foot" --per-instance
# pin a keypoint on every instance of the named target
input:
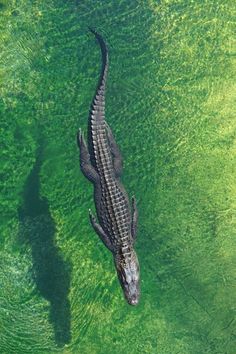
(100, 232)
(117, 159)
(85, 163)
(134, 218)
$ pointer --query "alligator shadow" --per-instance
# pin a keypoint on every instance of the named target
(51, 272)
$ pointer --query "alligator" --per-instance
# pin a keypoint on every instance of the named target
(101, 164)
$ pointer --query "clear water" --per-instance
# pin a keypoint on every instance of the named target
(171, 105)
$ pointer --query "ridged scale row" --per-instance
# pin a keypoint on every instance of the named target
(113, 207)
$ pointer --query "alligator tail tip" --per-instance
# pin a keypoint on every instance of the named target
(92, 30)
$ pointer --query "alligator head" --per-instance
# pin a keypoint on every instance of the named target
(127, 268)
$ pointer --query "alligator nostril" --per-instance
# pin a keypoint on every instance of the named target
(133, 301)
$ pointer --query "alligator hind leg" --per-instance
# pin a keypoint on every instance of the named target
(100, 232)
(85, 163)
(117, 159)
(134, 221)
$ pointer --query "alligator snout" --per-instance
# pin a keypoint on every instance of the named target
(133, 301)
(128, 274)
(132, 296)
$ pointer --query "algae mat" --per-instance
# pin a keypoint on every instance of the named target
(170, 103)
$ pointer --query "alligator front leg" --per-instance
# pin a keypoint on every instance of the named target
(85, 163)
(117, 159)
(134, 221)
(100, 232)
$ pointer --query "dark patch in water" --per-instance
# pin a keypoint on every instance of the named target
(51, 272)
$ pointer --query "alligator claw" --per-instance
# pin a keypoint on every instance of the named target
(91, 216)
(81, 136)
(133, 201)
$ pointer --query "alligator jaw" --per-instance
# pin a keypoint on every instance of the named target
(127, 268)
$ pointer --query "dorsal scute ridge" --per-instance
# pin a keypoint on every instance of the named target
(98, 104)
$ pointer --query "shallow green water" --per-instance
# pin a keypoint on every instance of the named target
(170, 103)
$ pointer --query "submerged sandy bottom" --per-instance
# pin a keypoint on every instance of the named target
(170, 103)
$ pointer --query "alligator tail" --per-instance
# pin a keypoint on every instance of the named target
(98, 104)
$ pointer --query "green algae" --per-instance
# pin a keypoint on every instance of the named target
(170, 103)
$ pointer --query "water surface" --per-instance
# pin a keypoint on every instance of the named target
(170, 103)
